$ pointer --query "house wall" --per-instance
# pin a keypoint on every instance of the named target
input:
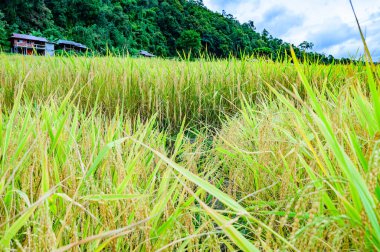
(28, 47)
(49, 49)
(22, 43)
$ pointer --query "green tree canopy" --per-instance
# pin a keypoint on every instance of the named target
(306, 45)
(3, 33)
(189, 41)
(159, 26)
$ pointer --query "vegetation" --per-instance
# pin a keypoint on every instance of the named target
(149, 154)
(163, 27)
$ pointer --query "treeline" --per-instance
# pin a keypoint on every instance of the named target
(163, 27)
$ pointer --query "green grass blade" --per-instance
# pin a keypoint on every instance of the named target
(111, 197)
(21, 221)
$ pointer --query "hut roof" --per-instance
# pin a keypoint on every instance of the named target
(28, 37)
(72, 43)
(147, 54)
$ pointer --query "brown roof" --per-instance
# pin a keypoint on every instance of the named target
(28, 37)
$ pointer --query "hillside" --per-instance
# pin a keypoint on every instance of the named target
(163, 27)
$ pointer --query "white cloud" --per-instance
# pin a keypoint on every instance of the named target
(281, 15)
(330, 25)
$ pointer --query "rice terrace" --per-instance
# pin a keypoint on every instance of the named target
(180, 145)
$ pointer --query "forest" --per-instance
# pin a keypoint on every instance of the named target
(167, 28)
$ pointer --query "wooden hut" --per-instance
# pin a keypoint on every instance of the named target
(28, 45)
(67, 45)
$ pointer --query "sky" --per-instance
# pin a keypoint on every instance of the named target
(329, 24)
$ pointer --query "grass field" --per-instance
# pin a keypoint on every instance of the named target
(122, 154)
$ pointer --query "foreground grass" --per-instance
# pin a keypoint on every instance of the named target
(116, 154)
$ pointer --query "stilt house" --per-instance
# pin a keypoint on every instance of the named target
(28, 45)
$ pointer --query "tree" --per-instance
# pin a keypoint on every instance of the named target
(265, 35)
(189, 40)
(3, 33)
(306, 46)
(251, 25)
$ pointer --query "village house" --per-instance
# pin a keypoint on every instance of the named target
(28, 45)
(32, 45)
(67, 45)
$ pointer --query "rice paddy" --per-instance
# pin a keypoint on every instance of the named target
(125, 154)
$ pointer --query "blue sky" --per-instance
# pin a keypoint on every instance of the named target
(329, 24)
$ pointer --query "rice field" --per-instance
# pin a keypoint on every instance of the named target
(125, 154)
